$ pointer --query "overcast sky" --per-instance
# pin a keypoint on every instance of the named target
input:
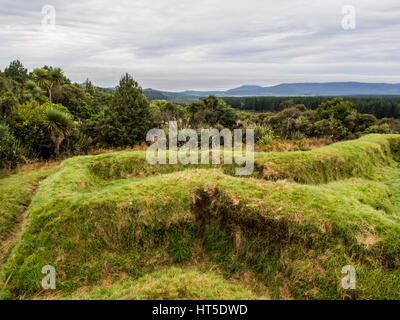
(206, 44)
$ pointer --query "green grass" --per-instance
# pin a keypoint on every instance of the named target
(111, 215)
(16, 191)
(170, 284)
(334, 162)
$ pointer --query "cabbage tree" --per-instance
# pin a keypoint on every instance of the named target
(47, 78)
(59, 125)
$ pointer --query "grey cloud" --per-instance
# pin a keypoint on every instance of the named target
(210, 44)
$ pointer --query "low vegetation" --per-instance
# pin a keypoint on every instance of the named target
(170, 284)
(324, 194)
(46, 116)
(114, 219)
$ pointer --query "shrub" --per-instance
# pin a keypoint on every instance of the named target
(28, 125)
(77, 143)
(10, 151)
(331, 128)
(263, 135)
(8, 103)
(382, 128)
(75, 98)
(211, 111)
(337, 107)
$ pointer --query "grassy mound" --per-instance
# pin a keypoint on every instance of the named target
(16, 191)
(338, 161)
(294, 238)
(170, 284)
(334, 162)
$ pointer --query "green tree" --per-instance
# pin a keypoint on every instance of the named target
(128, 118)
(212, 111)
(287, 121)
(164, 111)
(331, 128)
(75, 98)
(89, 87)
(336, 108)
(58, 124)
(8, 102)
(5, 83)
(46, 78)
(27, 124)
(16, 71)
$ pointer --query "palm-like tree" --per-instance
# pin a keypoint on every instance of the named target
(46, 78)
(58, 124)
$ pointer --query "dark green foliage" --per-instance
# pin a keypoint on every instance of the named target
(76, 143)
(75, 99)
(58, 124)
(336, 108)
(331, 127)
(8, 102)
(48, 78)
(32, 91)
(122, 117)
(163, 111)
(56, 118)
(335, 119)
(89, 87)
(5, 83)
(380, 107)
(382, 128)
(394, 124)
(210, 112)
(127, 120)
(27, 125)
(100, 100)
(16, 71)
(10, 152)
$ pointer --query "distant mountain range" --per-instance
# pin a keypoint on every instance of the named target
(287, 89)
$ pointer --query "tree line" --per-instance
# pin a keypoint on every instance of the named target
(380, 107)
(44, 115)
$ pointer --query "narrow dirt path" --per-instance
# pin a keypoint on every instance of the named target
(8, 242)
(17, 189)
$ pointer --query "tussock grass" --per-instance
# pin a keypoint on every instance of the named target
(89, 220)
(170, 284)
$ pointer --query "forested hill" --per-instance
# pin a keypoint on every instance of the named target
(342, 89)
(318, 89)
(381, 107)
